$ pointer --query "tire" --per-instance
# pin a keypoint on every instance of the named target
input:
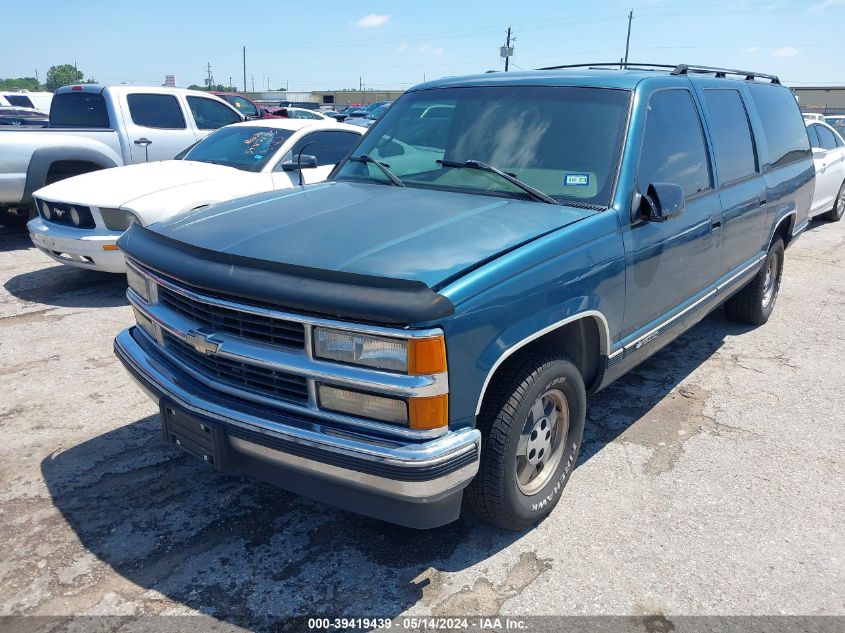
(755, 302)
(838, 210)
(511, 428)
(14, 217)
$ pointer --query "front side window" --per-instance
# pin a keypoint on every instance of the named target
(783, 124)
(245, 107)
(562, 141)
(211, 115)
(673, 144)
(243, 147)
(328, 147)
(157, 111)
(734, 146)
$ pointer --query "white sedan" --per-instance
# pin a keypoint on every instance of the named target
(829, 159)
(80, 219)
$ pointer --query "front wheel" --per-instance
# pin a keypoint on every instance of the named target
(838, 210)
(532, 424)
(755, 302)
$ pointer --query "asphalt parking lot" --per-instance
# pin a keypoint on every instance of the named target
(711, 482)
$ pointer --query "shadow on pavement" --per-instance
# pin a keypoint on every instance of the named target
(14, 238)
(69, 287)
(244, 551)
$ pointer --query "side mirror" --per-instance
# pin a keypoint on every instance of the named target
(663, 201)
(305, 161)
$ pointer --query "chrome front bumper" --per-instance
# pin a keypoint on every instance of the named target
(401, 470)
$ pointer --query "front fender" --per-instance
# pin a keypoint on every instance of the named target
(43, 158)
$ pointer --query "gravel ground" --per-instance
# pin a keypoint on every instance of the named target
(711, 482)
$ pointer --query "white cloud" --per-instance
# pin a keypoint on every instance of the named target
(751, 49)
(372, 21)
(786, 51)
(821, 6)
(425, 49)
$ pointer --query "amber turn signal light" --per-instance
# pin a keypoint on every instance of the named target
(426, 356)
(111, 247)
(429, 413)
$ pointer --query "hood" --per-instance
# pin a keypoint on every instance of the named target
(370, 229)
(120, 185)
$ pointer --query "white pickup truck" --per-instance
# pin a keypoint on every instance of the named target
(94, 127)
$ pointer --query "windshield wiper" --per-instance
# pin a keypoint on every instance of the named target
(369, 160)
(477, 164)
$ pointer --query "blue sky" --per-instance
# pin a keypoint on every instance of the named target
(316, 44)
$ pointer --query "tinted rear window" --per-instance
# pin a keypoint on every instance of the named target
(79, 109)
(157, 111)
(20, 101)
(731, 135)
(783, 124)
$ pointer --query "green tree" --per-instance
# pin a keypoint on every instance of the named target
(17, 83)
(63, 75)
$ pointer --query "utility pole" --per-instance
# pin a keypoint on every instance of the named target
(252, 79)
(230, 82)
(628, 39)
(210, 79)
(360, 85)
(244, 51)
(508, 47)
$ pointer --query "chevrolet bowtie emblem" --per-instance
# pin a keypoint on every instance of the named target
(201, 342)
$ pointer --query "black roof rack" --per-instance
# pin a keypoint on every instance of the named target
(676, 69)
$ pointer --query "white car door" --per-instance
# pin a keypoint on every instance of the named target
(156, 125)
(829, 161)
(329, 147)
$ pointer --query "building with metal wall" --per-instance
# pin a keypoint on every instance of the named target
(823, 99)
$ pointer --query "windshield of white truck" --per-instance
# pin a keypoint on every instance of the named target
(243, 147)
(563, 142)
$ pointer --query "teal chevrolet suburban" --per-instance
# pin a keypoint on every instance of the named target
(421, 332)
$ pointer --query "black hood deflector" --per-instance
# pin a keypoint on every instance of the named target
(287, 286)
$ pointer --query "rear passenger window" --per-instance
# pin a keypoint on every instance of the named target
(158, 111)
(826, 138)
(813, 136)
(673, 144)
(783, 124)
(734, 146)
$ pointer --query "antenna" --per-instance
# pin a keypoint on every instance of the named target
(628, 38)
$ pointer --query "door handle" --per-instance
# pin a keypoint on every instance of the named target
(763, 202)
(143, 142)
(715, 224)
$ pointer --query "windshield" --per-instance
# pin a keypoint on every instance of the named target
(563, 141)
(377, 112)
(245, 147)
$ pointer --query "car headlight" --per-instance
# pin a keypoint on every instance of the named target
(75, 217)
(139, 282)
(45, 211)
(411, 356)
(117, 219)
(364, 405)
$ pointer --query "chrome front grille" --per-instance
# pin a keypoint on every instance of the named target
(255, 327)
(255, 378)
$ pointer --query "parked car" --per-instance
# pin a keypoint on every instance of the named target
(81, 218)
(371, 117)
(22, 117)
(837, 122)
(812, 116)
(425, 326)
(829, 160)
(93, 127)
(301, 113)
(25, 99)
(249, 109)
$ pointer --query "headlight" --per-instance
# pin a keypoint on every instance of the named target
(75, 217)
(364, 405)
(138, 282)
(117, 219)
(45, 211)
(411, 356)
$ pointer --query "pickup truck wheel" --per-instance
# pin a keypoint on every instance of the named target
(838, 210)
(13, 217)
(531, 424)
(755, 302)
